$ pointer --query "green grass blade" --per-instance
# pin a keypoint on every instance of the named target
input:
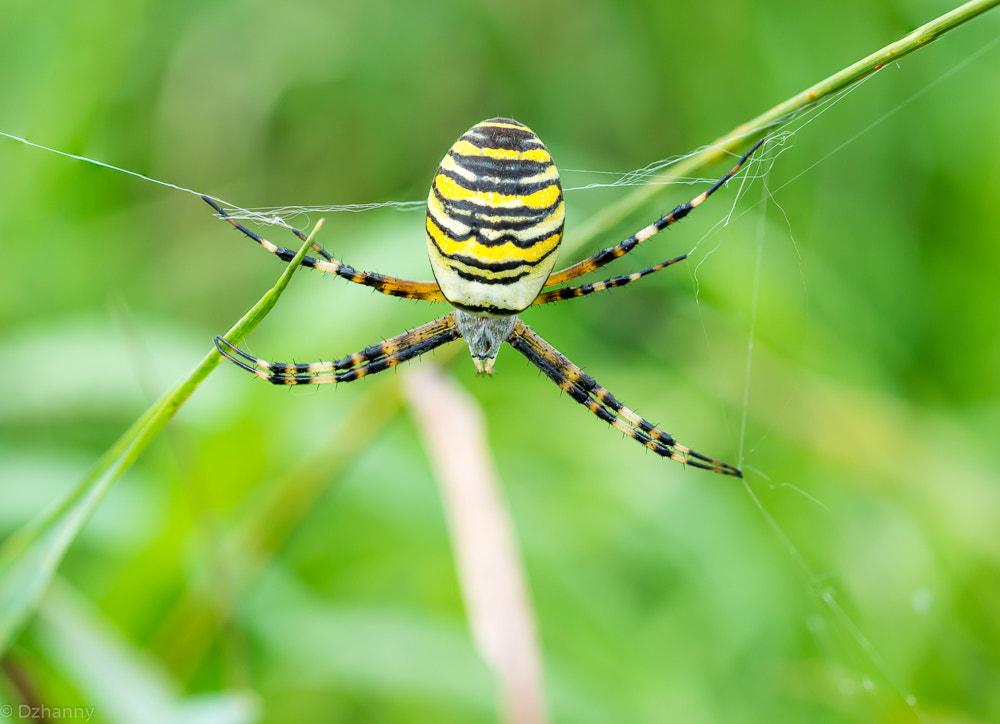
(29, 559)
(744, 135)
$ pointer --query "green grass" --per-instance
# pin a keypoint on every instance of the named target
(280, 556)
(29, 558)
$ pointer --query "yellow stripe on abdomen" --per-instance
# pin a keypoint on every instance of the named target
(451, 190)
(494, 218)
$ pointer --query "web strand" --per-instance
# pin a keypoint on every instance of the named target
(654, 173)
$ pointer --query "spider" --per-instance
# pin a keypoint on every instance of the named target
(494, 222)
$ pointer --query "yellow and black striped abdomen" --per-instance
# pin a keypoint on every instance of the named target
(494, 218)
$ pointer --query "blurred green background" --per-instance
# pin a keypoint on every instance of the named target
(289, 548)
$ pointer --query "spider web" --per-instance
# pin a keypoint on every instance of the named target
(822, 591)
(757, 172)
(656, 173)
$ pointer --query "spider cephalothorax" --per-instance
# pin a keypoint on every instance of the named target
(494, 223)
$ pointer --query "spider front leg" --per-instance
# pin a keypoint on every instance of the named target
(370, 360)
(427, 291)
(585, 390)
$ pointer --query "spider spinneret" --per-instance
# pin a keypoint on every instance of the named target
(495, 217)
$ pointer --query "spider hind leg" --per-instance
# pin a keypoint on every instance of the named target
(606, 256)
(427, 291)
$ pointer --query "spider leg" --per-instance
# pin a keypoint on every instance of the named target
(557, 295)
(611, 253)
(427, 291)
(370, 360)
(585, 390)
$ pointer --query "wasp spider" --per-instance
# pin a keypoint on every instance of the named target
(494, 223)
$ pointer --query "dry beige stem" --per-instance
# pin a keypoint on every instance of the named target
(489, 566)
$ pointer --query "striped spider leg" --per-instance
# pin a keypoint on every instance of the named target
(606, 256)
(370, 360)
(406, 288)
(585, 390)
(493, 227)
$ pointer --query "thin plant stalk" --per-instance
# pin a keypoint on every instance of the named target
(29, 558)
(744, 135)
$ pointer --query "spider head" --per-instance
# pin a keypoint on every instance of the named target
(484, 335)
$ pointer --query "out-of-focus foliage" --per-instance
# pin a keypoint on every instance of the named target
(283, 556)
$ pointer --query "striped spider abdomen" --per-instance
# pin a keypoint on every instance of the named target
(495, 218)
